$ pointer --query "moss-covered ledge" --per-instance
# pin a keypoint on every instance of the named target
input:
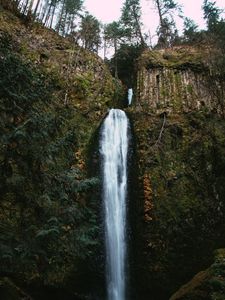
(206, 285)
(177, 80)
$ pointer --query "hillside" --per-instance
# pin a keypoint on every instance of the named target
(53, 95)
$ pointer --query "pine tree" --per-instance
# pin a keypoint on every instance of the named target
(68, 12)
(131, 22)
(46, 229)
(190, 30)
(211, 14)
(90, 33)
(167, 28)
(113, 34)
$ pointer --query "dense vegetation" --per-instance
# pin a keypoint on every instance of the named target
(183, 174)
(69, 18)
(52, 101)
(46, 228)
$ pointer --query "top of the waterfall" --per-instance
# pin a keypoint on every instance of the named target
(117, 111)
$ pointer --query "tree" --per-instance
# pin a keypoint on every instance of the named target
(215, 35)
(126, 58)
(113, 34)
(47, 11)
(190, 30)
(131, 22)
(47, 229)
(211, 14)
(37, 7)
(90, 33)
(166, 10)
(69, 10)
(167, 33)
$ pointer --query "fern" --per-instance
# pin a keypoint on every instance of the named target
(45, 233)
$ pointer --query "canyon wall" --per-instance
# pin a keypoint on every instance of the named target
(177, 80)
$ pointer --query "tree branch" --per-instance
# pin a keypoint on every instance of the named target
(161, 131)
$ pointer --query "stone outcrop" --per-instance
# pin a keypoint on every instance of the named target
(206, 285)
(177, 80)
(179, 128)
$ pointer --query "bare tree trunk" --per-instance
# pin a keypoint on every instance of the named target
(61, 15)
(115, 55)
(104, 55)
(68, 27)
(25, 7)
(48, 14)
(31, 5)
(53, 13)
(139, 28)
(71, 23)
(64, 25)
(162, 24)
(17, 2)
(44, 10)
(29, 13)
(36, 8)
(159, 12)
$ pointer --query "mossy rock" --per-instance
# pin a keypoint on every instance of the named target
(183, 208)
(206, 285)
(177, 58)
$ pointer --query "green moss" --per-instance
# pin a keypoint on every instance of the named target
(186, 173)
(189, 88)
(178, 58)
(209, 284)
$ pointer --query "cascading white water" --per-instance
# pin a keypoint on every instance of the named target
(114, 147)
(130, 96)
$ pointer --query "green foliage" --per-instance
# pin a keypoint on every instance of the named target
(215, 35)
(167, 6)
(90, 33)
(190, 30)
(131, 22)
(217, 55)
(113, 32)
(69, 10)
(45, 224)
(211, 14)
(126, 57)
(187, 192)
(113, 35)
(167, 31)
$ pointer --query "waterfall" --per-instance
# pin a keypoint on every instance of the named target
(114, 147)
(130, 96)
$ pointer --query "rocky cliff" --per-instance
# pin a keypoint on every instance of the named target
(178, 80)
(179, 128)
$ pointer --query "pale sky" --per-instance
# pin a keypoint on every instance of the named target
(110, 10)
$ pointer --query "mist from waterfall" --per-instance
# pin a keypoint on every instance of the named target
(114, 148)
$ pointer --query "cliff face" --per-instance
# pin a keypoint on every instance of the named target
(179, 129)
(177, 80)
(53, 96)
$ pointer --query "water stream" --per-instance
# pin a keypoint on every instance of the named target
(114, 148)
(130, 96)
